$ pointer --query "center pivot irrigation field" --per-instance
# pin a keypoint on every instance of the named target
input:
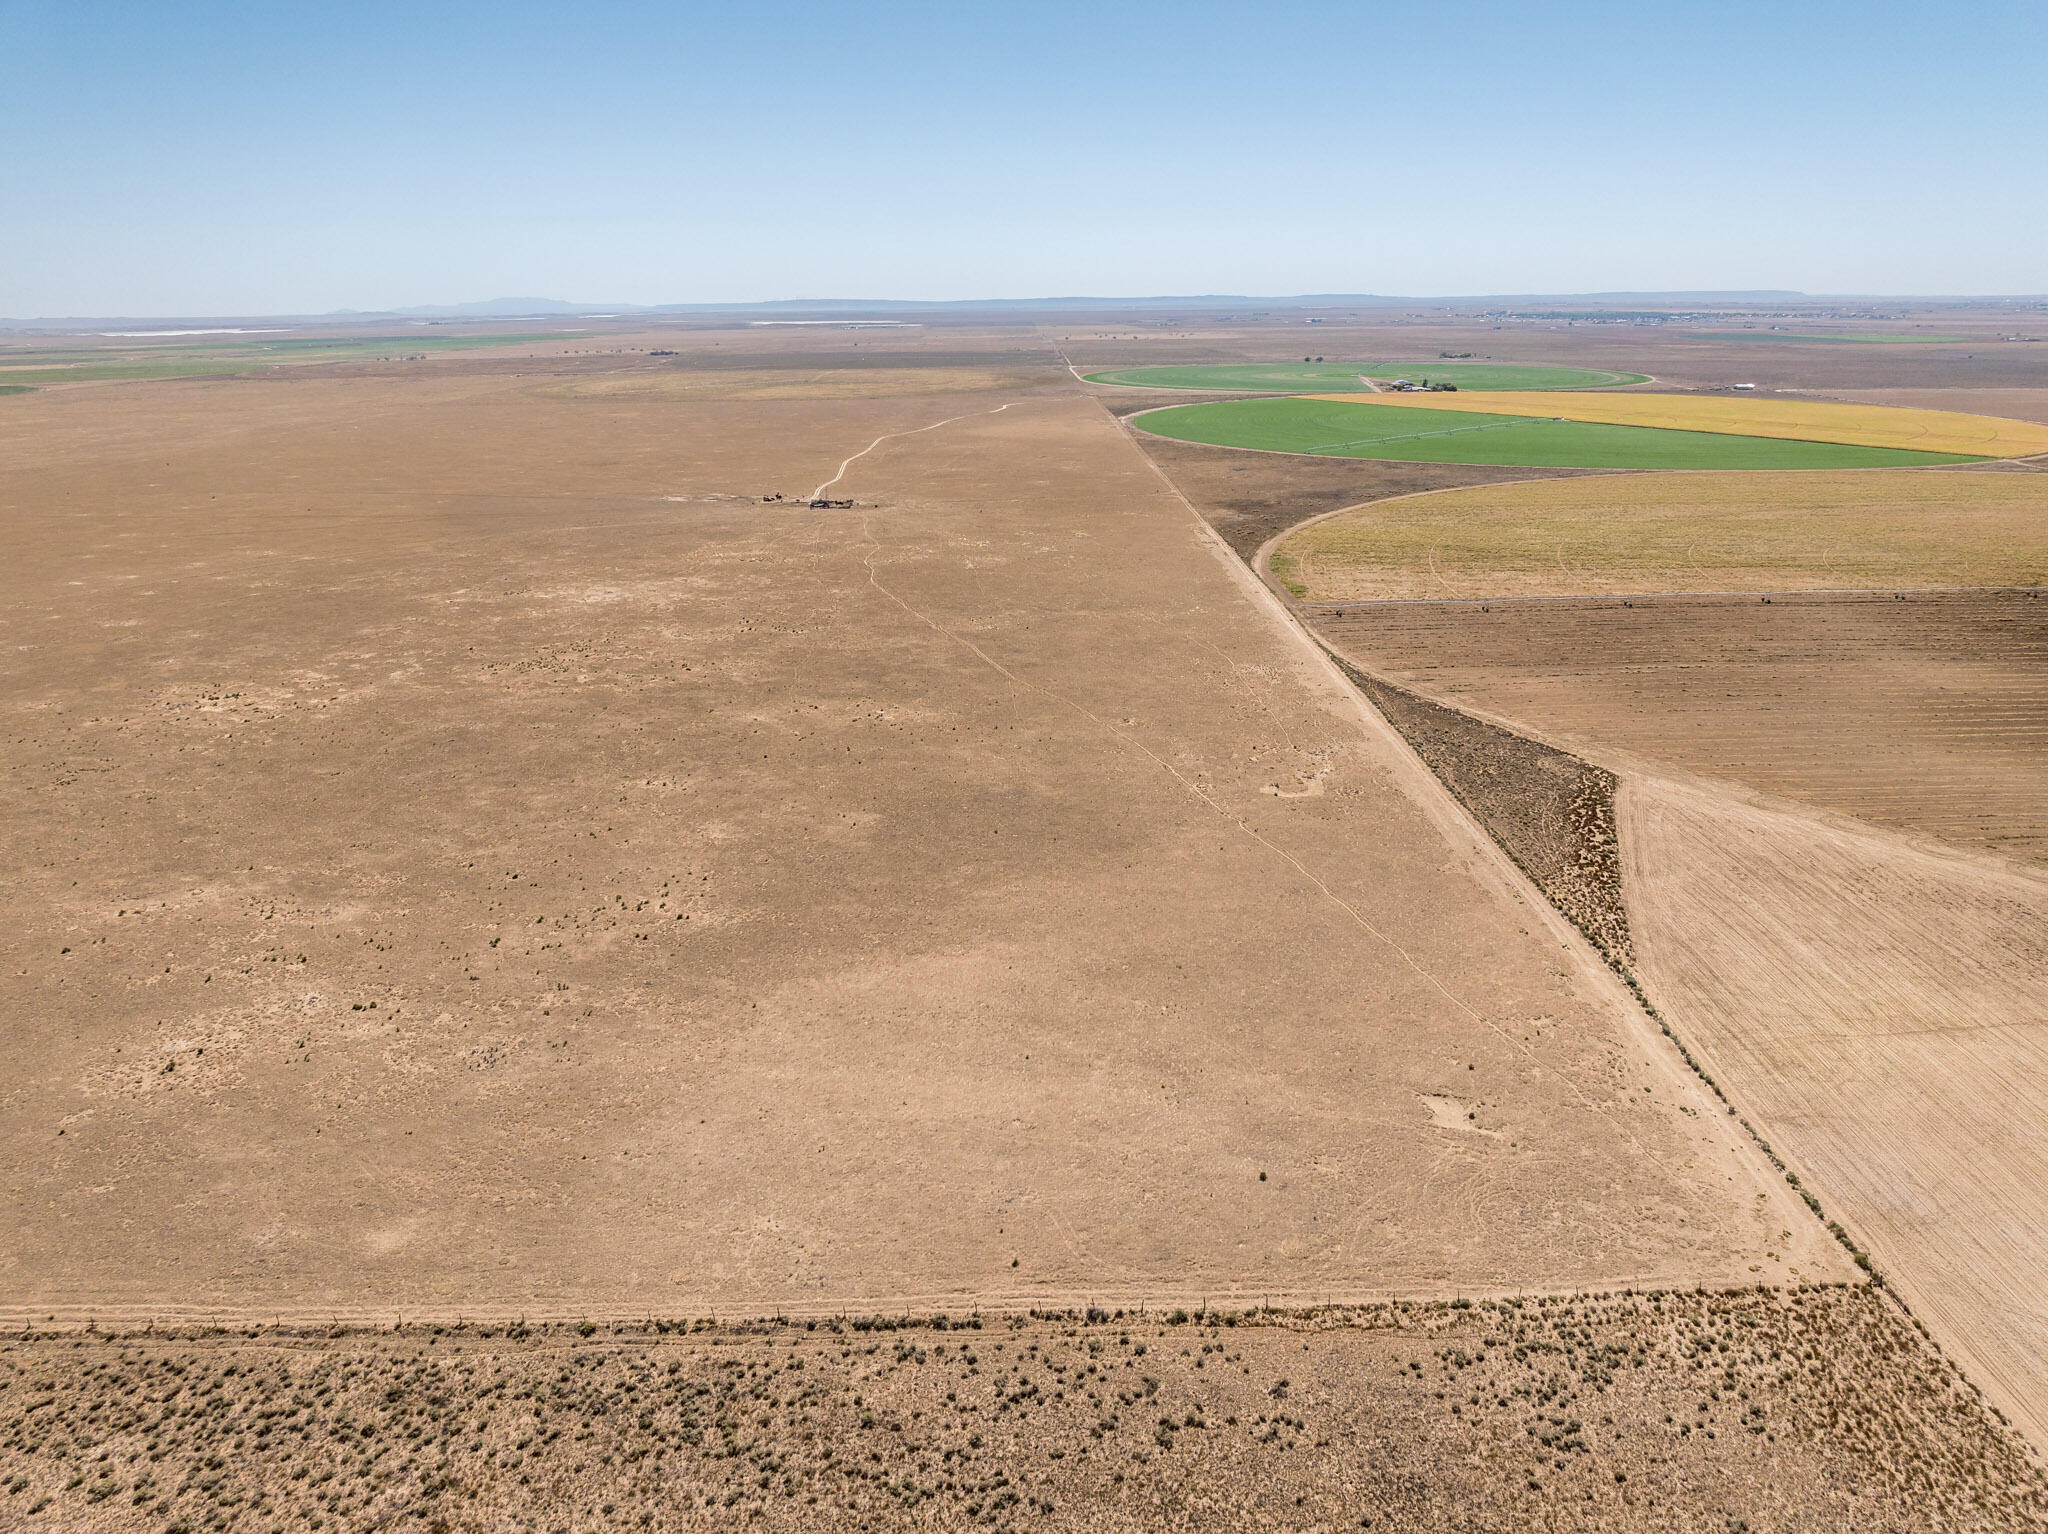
(1318, 377)
(1931, 431)
(1342, 428)
(1623, 535)
(1601, 431)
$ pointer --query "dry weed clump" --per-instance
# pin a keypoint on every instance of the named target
(1550, 811)
(1814, 1409)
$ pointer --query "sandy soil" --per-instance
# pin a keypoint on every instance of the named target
(476, 856)
(1816, 1411)
(1881, 1008)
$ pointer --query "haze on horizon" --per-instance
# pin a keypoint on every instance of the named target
(243, 159)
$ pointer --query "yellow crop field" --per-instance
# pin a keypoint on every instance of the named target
(1616, 534)
(1928, 431)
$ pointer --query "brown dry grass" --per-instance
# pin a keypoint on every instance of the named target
(456, 822)
(1623, 534)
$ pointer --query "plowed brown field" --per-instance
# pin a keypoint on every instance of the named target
(1928, 714)
(1883, 1011)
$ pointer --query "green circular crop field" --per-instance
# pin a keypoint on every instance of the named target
(1416, 434)
(1350, 377)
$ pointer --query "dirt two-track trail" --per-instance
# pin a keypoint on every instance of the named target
(480, 859)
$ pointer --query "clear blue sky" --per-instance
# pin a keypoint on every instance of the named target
(199, 157)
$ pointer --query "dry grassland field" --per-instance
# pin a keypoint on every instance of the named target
(1897, 673)
(1638, 535)
(469, 821)
(522, 931)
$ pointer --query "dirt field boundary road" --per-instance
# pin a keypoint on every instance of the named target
(889, 436)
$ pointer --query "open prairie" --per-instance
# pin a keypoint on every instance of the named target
(480, 856)
(480, 859)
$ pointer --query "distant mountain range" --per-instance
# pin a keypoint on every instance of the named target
(826, 308)
(515, 308)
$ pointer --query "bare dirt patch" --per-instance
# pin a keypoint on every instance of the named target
(2021, 404)
(474, 855)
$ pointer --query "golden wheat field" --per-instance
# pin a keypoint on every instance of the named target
(1927, 431)
(1869, 529)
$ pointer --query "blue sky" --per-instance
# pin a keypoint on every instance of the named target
(199, 157)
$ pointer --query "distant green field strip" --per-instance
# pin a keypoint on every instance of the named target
(16, 389)
(287, 345)
(1339, 429)
(1792, 335)
(82, 365)
(1338, 377)
(95, 372)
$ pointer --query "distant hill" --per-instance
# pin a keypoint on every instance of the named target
(510, 308)
(1566, 305)
(513, 308)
